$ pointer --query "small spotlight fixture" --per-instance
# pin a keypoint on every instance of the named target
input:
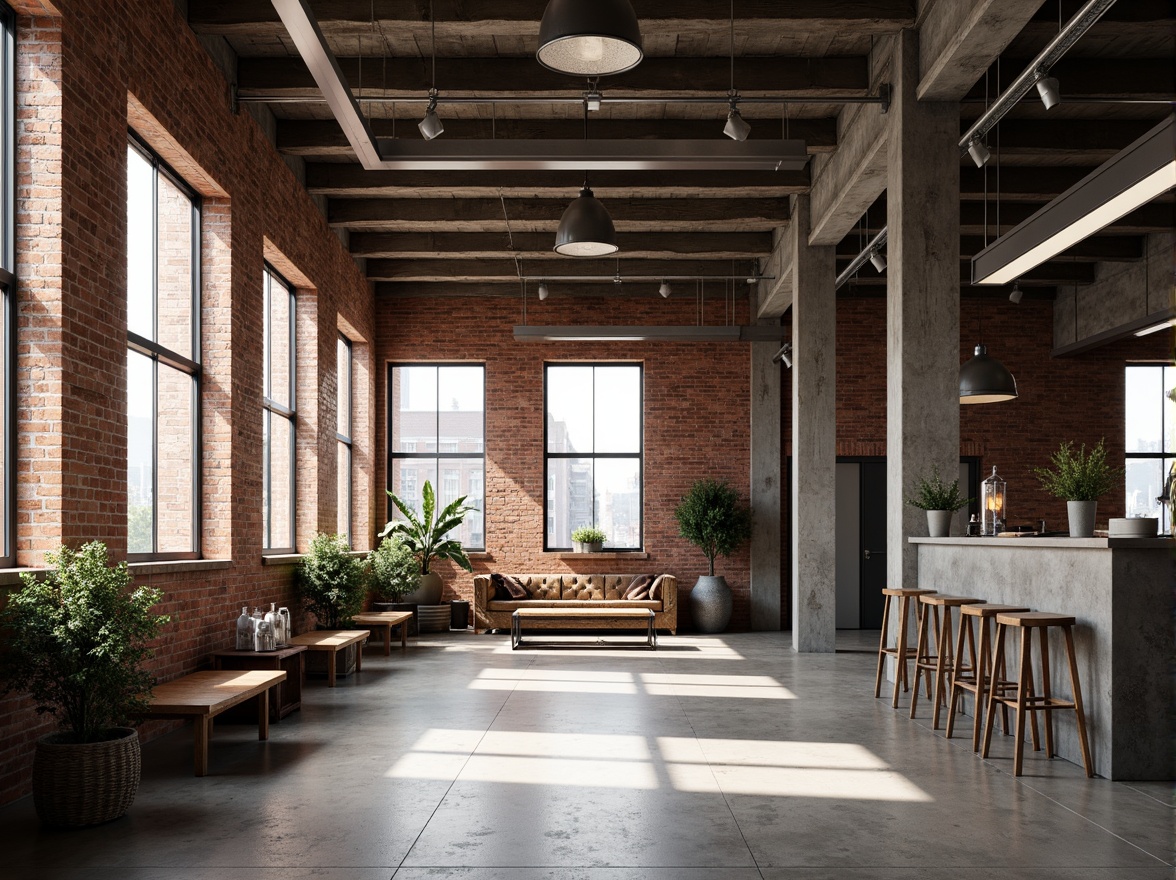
(1016, 293)
(431, 125)
(1047, 89)
(979, 153)
(592, 99)
(736, 128)
(784, 355)
(877, 260)
(543, 291)
(664, 290)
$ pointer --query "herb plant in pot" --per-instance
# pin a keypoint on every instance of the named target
(711, 517)
(939, 500)
(588, 539)
(1080, 478)
(78, 638)
(331, 583)
(425, 536)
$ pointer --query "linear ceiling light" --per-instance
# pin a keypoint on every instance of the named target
(589, 37)
(657, 332)
(1134, 177)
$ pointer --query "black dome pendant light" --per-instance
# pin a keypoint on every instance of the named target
(589, 37)
(586, 229)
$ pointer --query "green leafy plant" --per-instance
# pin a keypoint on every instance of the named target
(394, 568)
(331, 580)
(931, 493)
(589, 535)
(711, 517)
(78, 640)
(1079, 476)
(425, 535)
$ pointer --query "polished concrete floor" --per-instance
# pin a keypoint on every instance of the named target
(723, 757)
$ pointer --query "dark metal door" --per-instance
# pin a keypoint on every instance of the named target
(873, 532)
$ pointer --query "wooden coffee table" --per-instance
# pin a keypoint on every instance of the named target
(387, 620)
(331, 642)
(582, 618)
(203, 695)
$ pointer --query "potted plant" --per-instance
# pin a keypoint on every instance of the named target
(1080, 478)
(331, 581)
(78, 638)
(395, 571)
(939, 500)
(425, 536)
(588, 539)
(711, 517)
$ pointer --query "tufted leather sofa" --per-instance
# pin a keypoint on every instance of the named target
(571, 590)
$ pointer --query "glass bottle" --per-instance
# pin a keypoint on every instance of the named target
(271, 617)
(265, 635)
(245, 630)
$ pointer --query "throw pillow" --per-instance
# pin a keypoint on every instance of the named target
(640, 584)
(655, 589)
(507, 588)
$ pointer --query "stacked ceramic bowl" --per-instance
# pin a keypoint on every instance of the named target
(1133, 527)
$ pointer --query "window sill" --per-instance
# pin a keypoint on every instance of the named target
(282, 559)
(615, 554)
(10, 577)
(178, 566)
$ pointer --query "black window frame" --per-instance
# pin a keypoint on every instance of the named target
(271, 408)
(8, 286)
(640, 456)
(392, 457)
(1153, 456)
(159, 354)
(344, 439)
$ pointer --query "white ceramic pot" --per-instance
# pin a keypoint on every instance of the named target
(939, 523)
(429, 592)
(1081, 515)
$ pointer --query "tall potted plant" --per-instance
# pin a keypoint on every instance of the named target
(1080, 478)
(331, 581)
(711, 517)
(78, 638)
(425, 536)
(939, 500)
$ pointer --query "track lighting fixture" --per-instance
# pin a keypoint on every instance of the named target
(1047, 88)
(589, 37)
(877, 260)
(1016, 293)
(736, 128)
(431, 125)
(664, 290)
(784, 355)
(586, 229)
(979, 153)
(543, 291)
(592, 98)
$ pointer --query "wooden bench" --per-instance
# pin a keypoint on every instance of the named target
(582, 618)
(286, 696)
(387, 620)
(331, 642)
(202, 696)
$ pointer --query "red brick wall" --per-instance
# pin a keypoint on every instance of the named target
(696, 420)
(75, 75)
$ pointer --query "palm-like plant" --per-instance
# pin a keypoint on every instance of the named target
(425, 534)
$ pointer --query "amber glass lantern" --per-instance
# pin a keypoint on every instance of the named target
(992, 504)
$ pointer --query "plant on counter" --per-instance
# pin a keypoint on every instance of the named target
(931, 493)
(394, 569)
(711, 517)
(588, 539)
(331, 581)
(425, 535)
(1079, 476)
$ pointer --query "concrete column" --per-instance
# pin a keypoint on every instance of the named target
(814, 440)
(765, 485)
(922, 303)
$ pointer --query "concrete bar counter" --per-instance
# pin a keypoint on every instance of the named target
(1120, 590)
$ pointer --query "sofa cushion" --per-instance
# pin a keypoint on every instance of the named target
(655, 588)
(506, 587)
(638, 588)
(583, 587)
(541, 586)
(512, 605)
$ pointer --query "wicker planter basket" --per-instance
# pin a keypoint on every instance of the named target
(85, 783)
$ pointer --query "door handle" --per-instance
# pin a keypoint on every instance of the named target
(867, 554)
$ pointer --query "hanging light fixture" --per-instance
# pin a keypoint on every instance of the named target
(585, 229)
(1016, 293)
(736, 128)
(878, 260)
(664, 290)
(430, 127)
(543, 291)
(979, 152)
(1047, 90)
(984, 379)
(589, 37)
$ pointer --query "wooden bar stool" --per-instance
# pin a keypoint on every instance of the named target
(939, 663)
(901, 649)
(1024, 700)
(977, 678)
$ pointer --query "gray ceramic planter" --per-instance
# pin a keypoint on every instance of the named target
(710, 604)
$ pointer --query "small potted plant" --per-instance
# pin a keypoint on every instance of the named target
(711, 517)
(394, 570)
(331, 581)
(425, 536)
(1081, 478)
(78, 638)
(588, 539)
(939, 500)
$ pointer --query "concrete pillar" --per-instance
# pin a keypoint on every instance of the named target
(765, 485)
(922, 303)
(814, 440)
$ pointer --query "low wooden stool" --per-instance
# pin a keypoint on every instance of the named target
(901, 649)
(978, 677)
(1024, 700)
(940, 663)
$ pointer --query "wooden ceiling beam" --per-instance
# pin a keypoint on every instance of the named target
(512, 76)
(538, 245)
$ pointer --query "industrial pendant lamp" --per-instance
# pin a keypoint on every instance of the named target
(589, 37)
(431, 126)
(585, 229)
(984, 379)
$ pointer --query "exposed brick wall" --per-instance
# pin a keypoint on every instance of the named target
(76, 74)
(696, 421)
